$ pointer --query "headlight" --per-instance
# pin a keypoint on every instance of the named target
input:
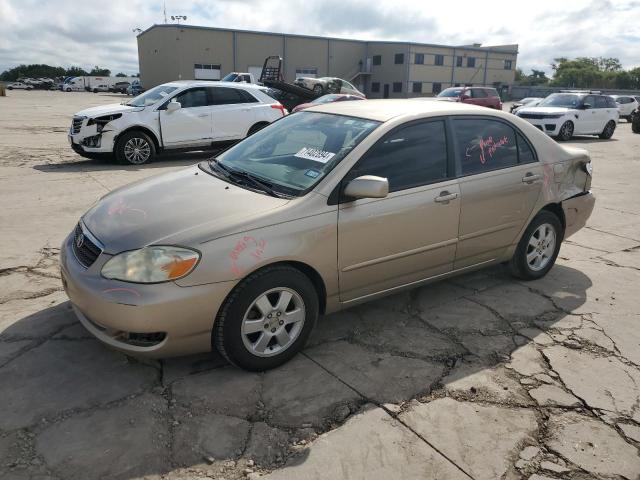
(151, 264)
(102, 121)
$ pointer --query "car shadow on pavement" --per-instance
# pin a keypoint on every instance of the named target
(76, 409)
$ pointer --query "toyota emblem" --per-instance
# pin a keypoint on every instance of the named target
(80, 240)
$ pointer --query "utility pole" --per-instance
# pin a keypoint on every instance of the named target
(164, 8)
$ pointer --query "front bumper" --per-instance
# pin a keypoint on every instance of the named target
(577, 211)
(159, 320)
(550, 126)
(87, 139)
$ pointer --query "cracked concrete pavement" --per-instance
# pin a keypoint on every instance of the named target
(480, 377)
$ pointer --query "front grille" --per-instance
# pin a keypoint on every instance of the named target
(76, 124)
(83, 248)
(533, 116)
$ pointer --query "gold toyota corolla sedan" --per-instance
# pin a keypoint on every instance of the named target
(321, 210)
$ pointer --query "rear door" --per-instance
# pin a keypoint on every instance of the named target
(500, 182)
(233, 112)
(411, 234)
(603, 113)
(191, 124)
(479, 97)
(587, 119)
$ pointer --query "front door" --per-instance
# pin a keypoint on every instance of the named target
(386, 91)
(412, 233)
(233, 112)
(190, 125)
(500, 182)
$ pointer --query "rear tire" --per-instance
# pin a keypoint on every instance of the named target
(566, 131)
(635, 124)
(538, 248)
(135, 148)
(256, 128)
(609, 128)
(267, 318)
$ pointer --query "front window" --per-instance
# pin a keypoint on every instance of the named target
(451, 92)
(152, 96)
(566, 100)
(295, 153)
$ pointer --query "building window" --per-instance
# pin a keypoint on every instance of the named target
(397, 87)
(375, 87)
(507, 64)
(471, 62)
(457, 85)
(439, 60)
(436, 88)
(420, 58)
(399, 58)
(458, 61)
(417, 87)
(377, 59)
(306, 72)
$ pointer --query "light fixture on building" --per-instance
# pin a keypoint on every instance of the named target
(178, 18)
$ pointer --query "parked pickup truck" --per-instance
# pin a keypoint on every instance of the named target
(178, 115)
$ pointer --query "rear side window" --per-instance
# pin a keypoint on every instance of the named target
(479, 93)
(408, 157)
(611, 103)
(525, 153)
(230, 96)
(485, 145)
(195, 97)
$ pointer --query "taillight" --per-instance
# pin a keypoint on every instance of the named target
(280, 107)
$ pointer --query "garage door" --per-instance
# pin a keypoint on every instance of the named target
(203, 71)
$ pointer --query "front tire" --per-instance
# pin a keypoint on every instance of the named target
(135, 148)
(267, 319)
(635, 124)
(566, 131)
(609, 128)
(318, 90)
(538, 248)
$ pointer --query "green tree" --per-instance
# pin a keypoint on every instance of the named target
(100, 72)
(76, 72)
(121, 74)
(31, 71)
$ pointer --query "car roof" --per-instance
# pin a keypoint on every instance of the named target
(385, 110)
(213, 83)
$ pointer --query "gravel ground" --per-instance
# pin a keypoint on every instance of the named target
(480, 377)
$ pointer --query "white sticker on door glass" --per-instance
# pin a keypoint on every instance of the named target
(315, 154)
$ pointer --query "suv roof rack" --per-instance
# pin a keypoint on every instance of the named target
(597, 92)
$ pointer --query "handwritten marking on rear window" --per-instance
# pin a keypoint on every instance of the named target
(315, 154)
(487, 145)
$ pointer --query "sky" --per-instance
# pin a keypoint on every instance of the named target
(68, 33)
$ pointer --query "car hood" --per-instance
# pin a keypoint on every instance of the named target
(107, 110)
(544, 110)
(185, 207)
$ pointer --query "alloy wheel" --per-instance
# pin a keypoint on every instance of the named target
(137, 150)
(273, 322)
(566, 131)
(541, 247)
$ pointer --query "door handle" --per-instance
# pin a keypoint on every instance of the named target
(531, 178)
(203, 115)
(445, 197)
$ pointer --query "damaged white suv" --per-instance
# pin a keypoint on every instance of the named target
(177, 115)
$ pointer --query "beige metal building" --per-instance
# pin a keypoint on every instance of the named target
(380, 69)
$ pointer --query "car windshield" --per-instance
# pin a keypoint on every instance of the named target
(450, 92)
(327, 99)
(152, 96)
(567, 100)
(296, 152)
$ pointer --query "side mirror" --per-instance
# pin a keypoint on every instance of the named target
(173, 105)
(587, 106)
(367, 186)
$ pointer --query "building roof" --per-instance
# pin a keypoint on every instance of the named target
(512, 48)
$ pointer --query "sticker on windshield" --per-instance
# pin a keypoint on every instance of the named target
(315, 173)
(315, 154)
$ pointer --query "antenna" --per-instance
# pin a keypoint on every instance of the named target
(164, 8)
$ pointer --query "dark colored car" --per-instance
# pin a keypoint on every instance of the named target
(332, 97)
(482, 96)
(635, 120)
(119, 87)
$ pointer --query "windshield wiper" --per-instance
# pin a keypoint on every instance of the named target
(239, 174)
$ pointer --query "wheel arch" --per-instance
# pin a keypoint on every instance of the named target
(143, 129)
(262, 124)
(558, 211)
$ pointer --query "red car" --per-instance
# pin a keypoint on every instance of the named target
(483, 96)
(332, 97)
